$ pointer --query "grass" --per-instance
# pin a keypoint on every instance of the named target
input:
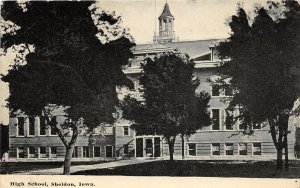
(15, 167)
(260, 169)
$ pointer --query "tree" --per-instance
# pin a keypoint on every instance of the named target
(76, 64)
(171, 106)
(264, 69)
(196, 116)
(4, 139)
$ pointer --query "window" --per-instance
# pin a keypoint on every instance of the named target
(21, 152)
(215, 119)
(192, 149)
(256, 125)
(215, 91)
(229, 148)
(242, 148)
(85, 152)
(256, 150)
(43, 124)
(126, 149)
(53, 150)
(52, 129)
(75, 152)
(31, 126)
(215, 149)
(126, 131)
(43, 152)
(20, 127)
(96, 151)
(229, 120)
(31, 152)
(108, 151)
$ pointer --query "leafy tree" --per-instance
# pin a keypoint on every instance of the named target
(264, 70)
(76, 64)
(4, 139)
(171, 106)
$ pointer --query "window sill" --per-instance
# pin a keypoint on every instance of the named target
(220, 130)
(221, 96)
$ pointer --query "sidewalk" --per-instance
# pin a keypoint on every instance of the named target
(59, 171)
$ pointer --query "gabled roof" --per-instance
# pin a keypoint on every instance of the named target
(166, 12)
(192, 48)
(150, 48)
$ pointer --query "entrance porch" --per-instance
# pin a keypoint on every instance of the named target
(148, 146)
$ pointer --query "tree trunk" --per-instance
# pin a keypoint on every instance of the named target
(68, 158)
(279, 159)
(69, 147)
(286, 153)
(182, 146)
(171, 148)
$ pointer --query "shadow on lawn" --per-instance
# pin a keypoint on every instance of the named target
(250, 169)
(16, 167)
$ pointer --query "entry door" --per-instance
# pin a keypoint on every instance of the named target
(149, 147)
(157, 147)
(108, 151)
(139, 147)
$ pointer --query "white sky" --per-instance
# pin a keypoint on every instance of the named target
(194, 19)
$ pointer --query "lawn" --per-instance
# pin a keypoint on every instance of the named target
(260, 169)
(15, 167)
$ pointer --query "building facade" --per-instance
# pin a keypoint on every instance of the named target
(31, 138)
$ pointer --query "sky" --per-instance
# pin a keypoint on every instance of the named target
(194, 19)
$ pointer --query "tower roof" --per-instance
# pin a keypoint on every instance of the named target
(166, 12)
